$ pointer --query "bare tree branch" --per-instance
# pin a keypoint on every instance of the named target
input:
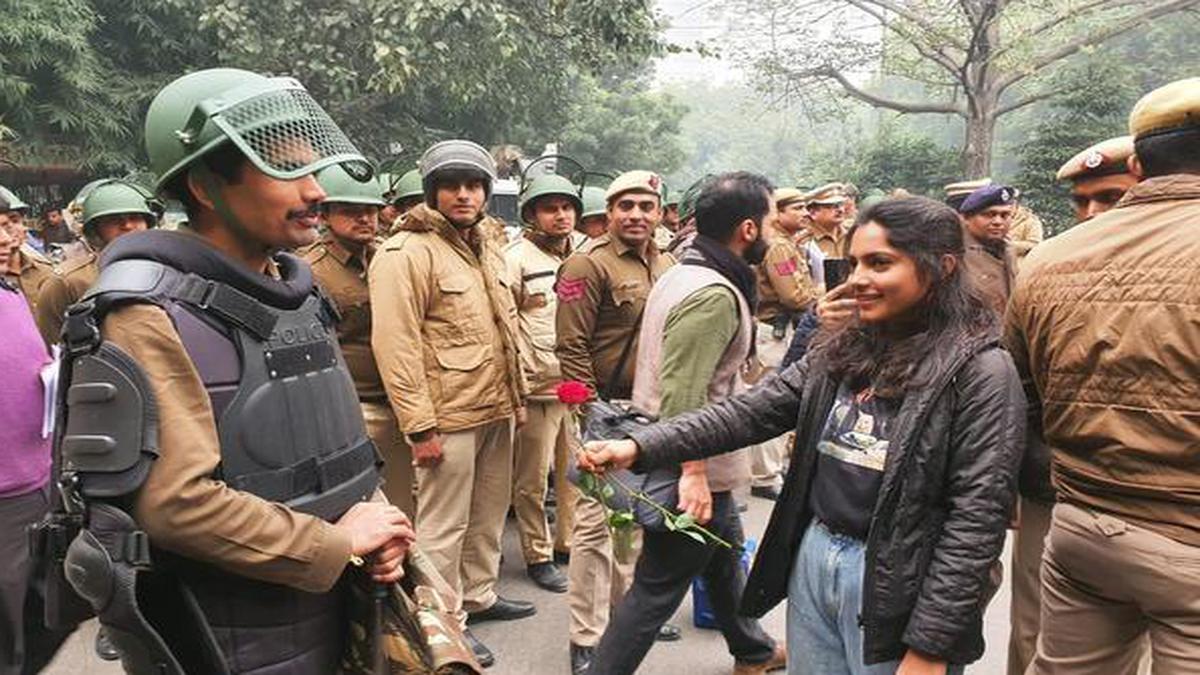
(891, 104)
(909, 15)
(1028, 100)
(931, 53)
(1060, 18)
(1040, 62)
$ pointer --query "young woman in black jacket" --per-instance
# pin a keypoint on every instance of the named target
(909, 422)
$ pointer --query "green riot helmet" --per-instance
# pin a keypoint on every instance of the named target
(112, 197)
(15, 203)
(342, 188)
(545, 186)
(273, 121)
(594, 203)
(455, 156)
(408, 186)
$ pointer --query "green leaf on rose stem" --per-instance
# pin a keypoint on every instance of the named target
(669, 521)
(608, 491)
(685, 520)
(695, 535)
(587, 483)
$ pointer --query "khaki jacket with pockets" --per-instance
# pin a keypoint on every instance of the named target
(444, 326)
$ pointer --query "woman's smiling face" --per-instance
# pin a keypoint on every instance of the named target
(885, 280)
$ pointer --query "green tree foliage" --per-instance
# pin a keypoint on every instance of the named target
(623, 126)
(893, 158)
(78, 73)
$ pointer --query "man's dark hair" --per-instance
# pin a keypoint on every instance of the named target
(225, 161)
(1168, 152)
(730, 198)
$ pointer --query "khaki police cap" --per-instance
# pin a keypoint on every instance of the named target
(966, 187)
(826, 195)
(1102, 159)
(1169, 107)
(787, 196)
(634, 181)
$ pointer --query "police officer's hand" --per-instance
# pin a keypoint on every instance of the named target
(427, 450)
(372, 525)
(694, 496)
(837, 306)
(387, 563)
(600, 455)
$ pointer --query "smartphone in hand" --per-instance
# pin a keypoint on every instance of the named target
(837, 271)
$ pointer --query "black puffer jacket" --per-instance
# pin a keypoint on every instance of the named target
(948, 484)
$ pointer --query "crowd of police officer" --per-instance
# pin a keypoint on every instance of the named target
(254, 408)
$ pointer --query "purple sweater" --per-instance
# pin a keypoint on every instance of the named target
(24, 454)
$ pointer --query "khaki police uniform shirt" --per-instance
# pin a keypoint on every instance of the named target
(33, 269)
(343, 276)
(182, 507)
(601, 292)
(831, 243)
(784, 282)
(72, 278)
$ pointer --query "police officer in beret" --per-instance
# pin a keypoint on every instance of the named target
(990, 263)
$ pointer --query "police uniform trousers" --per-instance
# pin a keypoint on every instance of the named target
(399, 476)
(461, 507)
(1108, 587)
(546, 435)
(26, 645)
(596, 580)
(767, 459)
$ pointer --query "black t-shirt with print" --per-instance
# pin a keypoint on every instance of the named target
(850, 458)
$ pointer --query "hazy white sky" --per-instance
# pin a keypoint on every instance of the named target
(691, 21)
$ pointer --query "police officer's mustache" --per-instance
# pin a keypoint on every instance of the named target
(310, 212)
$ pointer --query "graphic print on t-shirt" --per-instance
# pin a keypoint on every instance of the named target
(854, 435)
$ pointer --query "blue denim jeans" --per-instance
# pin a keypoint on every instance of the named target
(824, 601)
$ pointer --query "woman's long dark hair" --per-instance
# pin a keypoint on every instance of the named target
(864, 355)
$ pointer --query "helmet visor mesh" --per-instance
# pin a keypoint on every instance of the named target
(287, 135)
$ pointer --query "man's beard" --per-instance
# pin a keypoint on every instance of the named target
(756, 252)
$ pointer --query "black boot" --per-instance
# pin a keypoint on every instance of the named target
(483, 655)
(581, 659)
(503, 610)
(548, 577)
(104, 647)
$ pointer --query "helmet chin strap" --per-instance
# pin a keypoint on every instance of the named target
(212, 187)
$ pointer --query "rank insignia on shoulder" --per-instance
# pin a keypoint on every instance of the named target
(570, 290)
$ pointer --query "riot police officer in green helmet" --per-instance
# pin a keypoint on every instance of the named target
(211, 546)
(110, 208)
(593, 218)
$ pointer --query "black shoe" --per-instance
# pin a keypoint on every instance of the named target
(562, 557)
(668, 633)
(547, 576)
(483, 655)
(503, 610)
(765, 492)
(104, 646)
(581, 659)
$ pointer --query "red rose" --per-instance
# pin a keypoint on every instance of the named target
(573, 392)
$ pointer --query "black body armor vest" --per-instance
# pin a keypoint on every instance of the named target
(290, 428)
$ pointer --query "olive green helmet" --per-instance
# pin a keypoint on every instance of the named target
(15, 203)
(594, 203)
(545, 186)
(114, 196)
(408, 186)
(342, 188)
(273, 121)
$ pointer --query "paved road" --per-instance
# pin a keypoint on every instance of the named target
(538, 645)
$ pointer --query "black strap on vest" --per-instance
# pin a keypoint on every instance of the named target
(313, 474)
(227, 303)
